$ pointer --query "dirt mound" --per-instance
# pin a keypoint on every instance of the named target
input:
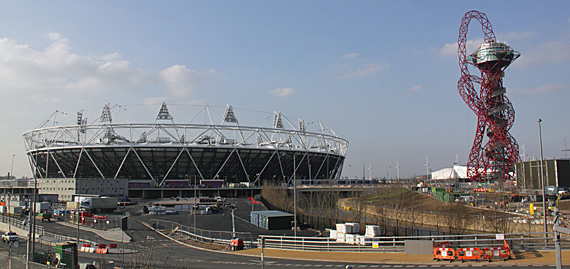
(412, 200)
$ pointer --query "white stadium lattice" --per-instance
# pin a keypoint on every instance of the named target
(164, 153)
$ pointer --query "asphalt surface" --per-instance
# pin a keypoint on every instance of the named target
(152, 249)
(222, 220)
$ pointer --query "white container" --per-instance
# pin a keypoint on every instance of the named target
(350, 238)
(340, 237)
(341, 228)
(15, 210)
(372, 230)
(352, 227)
(42, 207)
(333, 233)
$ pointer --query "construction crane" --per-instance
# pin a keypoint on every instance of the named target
(495, 158)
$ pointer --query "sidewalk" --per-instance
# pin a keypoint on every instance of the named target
(517, 257)
(115, 234)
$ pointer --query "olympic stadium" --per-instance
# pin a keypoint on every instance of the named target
(162, 153)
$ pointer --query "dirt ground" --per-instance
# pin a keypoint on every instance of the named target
(564, 205)
(408, 199)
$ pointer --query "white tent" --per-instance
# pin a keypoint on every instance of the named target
(457, 171)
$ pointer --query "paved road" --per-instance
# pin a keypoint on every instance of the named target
(156, 251)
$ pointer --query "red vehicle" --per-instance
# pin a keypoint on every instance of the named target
(236, 244)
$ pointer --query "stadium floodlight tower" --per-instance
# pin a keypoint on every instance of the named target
(496, 159)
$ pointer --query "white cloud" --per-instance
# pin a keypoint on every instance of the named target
(352, 66)
(550, 52)
(281, 92)
(518, 35)
(179, 80)
(543, 89)
(154, 100)
(416, 88)
(56, 69)
(349, 56)
(451, 49)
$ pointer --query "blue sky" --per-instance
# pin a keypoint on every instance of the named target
(382, 74)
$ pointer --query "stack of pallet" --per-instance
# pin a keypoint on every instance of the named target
(350, 233)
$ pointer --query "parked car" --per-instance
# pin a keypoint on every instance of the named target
(9, 237)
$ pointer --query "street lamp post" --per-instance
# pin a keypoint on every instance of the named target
(542, 177)
(195, 204)
(427, 171)
(294, 197)
(233, 222)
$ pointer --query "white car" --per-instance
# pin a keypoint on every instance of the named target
(9, 237)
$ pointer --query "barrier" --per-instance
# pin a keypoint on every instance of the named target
(443, 251)
(102, 249)
(468, 254)
(85, 248)
(503, 252)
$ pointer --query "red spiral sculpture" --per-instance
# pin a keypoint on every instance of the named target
(495, 113)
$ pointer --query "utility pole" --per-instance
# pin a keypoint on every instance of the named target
(398, 170)
(294, 196)
(195, 204)
(12, 168)
(233, 222)
(31, 220)
(542, 179)
(427, 171)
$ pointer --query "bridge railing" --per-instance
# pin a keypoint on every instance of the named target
(202, 235)
(517, 241)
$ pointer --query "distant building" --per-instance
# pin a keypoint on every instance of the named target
(556, 173)
(69, 187)
(456, 172)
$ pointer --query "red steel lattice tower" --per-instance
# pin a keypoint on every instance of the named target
(495, 114)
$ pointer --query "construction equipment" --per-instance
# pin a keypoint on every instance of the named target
(236, 244)
(45, 216)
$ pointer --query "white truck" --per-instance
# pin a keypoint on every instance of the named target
(97, 204)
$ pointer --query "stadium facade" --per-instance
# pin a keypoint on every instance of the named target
(168, 154)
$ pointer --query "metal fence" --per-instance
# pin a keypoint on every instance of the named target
(201, 235)
(41, 235)
(517, 241)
